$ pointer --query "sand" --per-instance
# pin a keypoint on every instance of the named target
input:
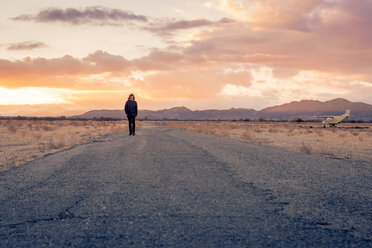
(22, 141)
(344, 141)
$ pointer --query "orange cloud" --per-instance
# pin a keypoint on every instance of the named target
(331, 40)
(296, 14)
(59, 72)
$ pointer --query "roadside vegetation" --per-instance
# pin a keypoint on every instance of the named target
(22, 141)
(344, 141)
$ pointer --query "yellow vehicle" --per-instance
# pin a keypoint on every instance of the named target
(333, 120)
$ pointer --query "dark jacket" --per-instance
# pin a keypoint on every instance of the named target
(131, 108)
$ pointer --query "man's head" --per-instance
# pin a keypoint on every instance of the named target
(131, 97)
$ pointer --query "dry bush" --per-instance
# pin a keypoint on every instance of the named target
(319, 132)
(41, 148)
(305, 148)
(369, 133)
(342, 135)
(290, 131)
(355, 133)
(37, 136)
(60, 123)
(75, 123)
(247, 135)
(222, 131)
(12, 127)
(209, 131)
(50, 145)
(326, 150)
(60, 142)
(257, 130)
(273, 130)
(57, 143)
(29, 125)
(37, 127)
(46, 127)
(24, 133)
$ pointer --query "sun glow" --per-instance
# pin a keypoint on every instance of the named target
(31, 95)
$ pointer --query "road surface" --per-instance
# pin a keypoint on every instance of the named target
(172, 188)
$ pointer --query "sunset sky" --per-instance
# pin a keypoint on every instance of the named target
(66, 56)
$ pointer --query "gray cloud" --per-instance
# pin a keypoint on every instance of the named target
(165, 27)
(26, 45)
(96, 15)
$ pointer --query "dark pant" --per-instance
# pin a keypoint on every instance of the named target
(132, 124)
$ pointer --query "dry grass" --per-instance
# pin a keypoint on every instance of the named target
(22, 141)
(309, 138)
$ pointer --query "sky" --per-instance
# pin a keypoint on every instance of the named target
(63, 56)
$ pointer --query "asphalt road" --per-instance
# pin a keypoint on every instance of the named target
(172, 188)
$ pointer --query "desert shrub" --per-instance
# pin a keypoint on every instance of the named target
(342, 135)
(50, 145)
(57, 143)
(41, 148)
(290, 129)
(75, 123)
(46, 127)
(24, 133)
(299, 120)
(369, 133)
(355, 133)
(247, 135)
(29, 125)
(305, 148)
(319, 132)
(223, 132)
(61, 123)
(325, 150)
(60, 142)
(36, 127)
(257, 130)
(37, 136)
(12, 127)
(273, 130)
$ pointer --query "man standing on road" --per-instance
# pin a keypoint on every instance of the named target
(131, 112)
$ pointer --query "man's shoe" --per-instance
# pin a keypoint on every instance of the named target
(130, 134)
(133, 134)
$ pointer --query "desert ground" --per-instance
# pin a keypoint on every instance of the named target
(343, 141)
(169, 187)
(22, 141)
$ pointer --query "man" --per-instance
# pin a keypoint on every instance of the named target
(131, 112)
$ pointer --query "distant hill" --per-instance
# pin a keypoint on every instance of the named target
(178, 113)
(39, 110)
(304, 109)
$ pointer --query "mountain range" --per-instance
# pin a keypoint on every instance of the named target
(305, 109)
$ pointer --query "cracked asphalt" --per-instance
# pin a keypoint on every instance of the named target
(172, 188)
